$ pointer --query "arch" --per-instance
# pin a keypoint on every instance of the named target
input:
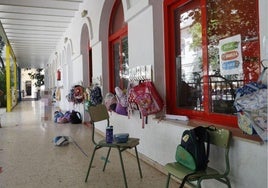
(90, 28)
(103, 36)
(86, 53)
(118, 48)
(69, 45)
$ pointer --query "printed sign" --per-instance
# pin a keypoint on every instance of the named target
(230, 55)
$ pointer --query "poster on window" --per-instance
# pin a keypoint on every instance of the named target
(230, 55)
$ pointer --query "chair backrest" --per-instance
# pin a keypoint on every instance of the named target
(98, 113)
(220, 137)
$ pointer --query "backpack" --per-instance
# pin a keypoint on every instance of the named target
(75, 117)
(76, 94)
(121, 97)
(192, 152)
(122, 102)
(110, 101)
(147, 99)
(96, 96)
(65, 118)
(57, 115)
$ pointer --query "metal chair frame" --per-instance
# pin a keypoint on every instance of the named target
(220, 138)
(100, 113)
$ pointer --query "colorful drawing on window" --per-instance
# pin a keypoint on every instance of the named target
(230, 55)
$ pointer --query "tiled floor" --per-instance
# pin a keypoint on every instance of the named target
(29, 159)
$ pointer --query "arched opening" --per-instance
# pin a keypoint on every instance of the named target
(118, 48)
(86, 52)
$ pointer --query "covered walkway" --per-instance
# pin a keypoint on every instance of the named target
(28, 157)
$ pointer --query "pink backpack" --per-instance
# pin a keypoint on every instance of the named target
(147, 99)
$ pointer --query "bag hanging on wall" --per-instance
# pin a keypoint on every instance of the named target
(76, 94)
(147, 99)
(121, 97)
(132, 105)
(122, 102)
(244, 123)
(110, 101)
(251, 105)
(96, 95)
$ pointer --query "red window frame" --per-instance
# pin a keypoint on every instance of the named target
(117, 31)
(115, 38)
(221, 119)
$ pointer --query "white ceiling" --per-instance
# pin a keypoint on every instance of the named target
(34, 27)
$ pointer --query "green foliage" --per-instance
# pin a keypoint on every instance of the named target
(3, 81)
(196, 31)
(3, 88)
(38, 77)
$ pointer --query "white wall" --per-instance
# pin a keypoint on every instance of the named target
(97, 63)
(141, 28)
(158, 140)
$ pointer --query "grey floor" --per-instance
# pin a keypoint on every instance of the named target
(29, 159)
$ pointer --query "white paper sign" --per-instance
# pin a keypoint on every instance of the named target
(230, 55)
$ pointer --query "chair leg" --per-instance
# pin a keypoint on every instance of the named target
(90, 164)
(225, 180)
(138, 160)
(168, 179)
(198, 184)
(122, 165)
(106, 160)
(228, 182)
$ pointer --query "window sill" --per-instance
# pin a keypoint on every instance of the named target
(236, 132)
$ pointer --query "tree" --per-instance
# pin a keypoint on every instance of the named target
(38, 76)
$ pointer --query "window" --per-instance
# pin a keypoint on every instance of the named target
(118, 42)
(211, 48)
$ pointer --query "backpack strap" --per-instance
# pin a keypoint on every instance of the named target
(206, 137)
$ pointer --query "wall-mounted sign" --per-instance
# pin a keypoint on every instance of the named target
(230, 55)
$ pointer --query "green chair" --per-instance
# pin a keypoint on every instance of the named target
(99, 113)
(219, 138)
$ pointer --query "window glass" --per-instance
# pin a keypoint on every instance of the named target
(124, 69)
(188, 51)
(121, 68)
(212, 49)
(233, 52)
(116, 56)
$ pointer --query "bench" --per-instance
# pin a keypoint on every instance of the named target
(221, 139)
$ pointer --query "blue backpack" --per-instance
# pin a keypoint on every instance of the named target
(57, 115)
